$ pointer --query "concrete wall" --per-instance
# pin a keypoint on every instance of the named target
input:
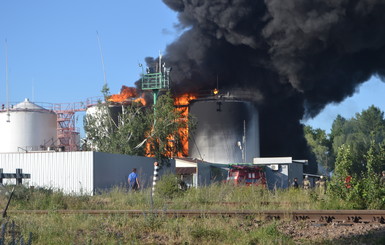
(113, 169)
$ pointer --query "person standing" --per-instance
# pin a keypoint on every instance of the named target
(133, 180)
(306, 183)
(295, 183)
(322, 185)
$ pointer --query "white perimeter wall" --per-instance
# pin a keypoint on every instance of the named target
(71, 172)
(82, 172)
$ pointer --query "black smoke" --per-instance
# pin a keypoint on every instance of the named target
(295, 55)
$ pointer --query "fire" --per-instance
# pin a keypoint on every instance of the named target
(141, 100)
(182, 102)
(184, 99)
(215, 91)
(127, 94)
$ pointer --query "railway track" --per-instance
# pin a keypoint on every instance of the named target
(263, 203)
(318, 216)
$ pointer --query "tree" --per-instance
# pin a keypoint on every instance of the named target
(361, 156)
(342, 179)
(375, 159)
(363, 190)
(137, 130)
(359, 133)
(320, 145)
(344, 162)
(169, 130)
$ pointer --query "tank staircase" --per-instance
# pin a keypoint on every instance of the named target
(67, 133)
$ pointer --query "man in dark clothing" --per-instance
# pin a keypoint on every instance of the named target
(133, 180)
(295, 183)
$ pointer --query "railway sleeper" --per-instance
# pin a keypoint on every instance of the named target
(273, 217)
(354, 219)
(379, 219)
(327, 218)
(301, 217)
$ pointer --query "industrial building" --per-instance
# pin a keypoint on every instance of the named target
(280, 171)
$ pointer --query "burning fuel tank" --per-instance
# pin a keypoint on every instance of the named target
(227, 130)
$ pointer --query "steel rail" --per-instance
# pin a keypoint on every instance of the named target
(262, 203)
(320, 216)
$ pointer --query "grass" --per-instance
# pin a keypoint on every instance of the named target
(86, 229)
(208, 198)
(120, 229)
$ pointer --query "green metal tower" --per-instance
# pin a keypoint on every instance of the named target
(156, 79)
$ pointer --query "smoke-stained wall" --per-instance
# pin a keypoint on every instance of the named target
(294, 57)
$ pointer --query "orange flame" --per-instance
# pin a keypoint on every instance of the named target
(141, 100)
(184, 99)
(127, 94)
(182, 103)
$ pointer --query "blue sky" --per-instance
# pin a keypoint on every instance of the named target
(53, 51)
(53, 46)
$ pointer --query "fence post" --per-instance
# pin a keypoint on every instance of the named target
(155, 178)
(19, 178)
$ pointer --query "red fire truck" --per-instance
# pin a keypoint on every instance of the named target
(246, 174)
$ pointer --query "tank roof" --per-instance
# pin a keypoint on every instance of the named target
(26, 104)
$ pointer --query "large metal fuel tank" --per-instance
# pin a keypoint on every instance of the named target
(29, 127)
(227, 130)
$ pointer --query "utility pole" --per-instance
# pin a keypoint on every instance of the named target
(244, 141)
(242, 144)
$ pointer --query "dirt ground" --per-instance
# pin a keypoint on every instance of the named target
(334, 233)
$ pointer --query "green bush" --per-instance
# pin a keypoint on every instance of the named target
(168, 186)
(363, 192)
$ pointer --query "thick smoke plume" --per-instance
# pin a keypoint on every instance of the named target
(295, 55)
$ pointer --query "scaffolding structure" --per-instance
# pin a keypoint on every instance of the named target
(67, 133)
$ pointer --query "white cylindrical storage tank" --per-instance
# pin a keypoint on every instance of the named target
(99, 113)
(227, 131)
(30, 128)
